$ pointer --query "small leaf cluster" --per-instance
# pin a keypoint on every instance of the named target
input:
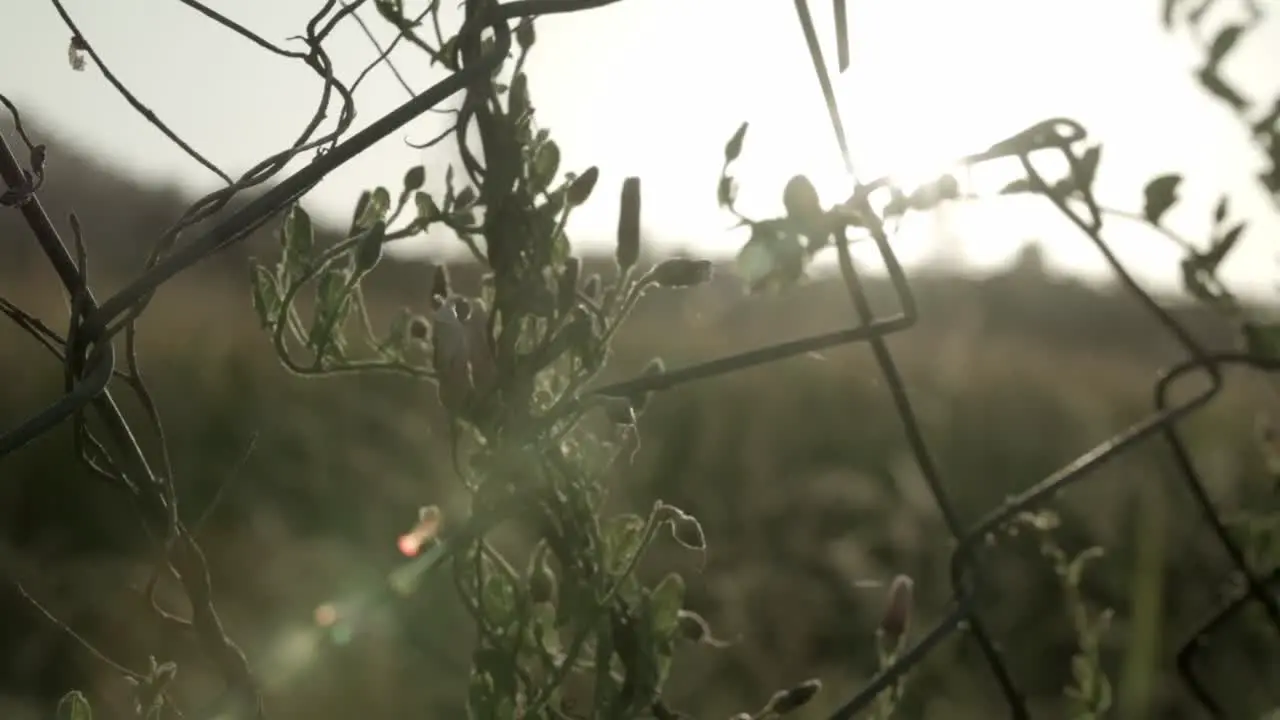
(512, 365)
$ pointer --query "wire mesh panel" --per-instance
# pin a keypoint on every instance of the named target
(92, 360)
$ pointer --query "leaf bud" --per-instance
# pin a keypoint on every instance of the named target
(628, 251)
(792, 699)
(682, 272)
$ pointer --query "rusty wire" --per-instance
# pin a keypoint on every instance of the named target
(91, 359)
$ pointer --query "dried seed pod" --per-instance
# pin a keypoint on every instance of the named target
(682, 272)
(800, 198)
(792, 699)
(418, 328)
(542, 583)
(369, 247)
(897, 613)
(484, 367)
(628, 251)
(525, 35)
(567, 292)
(450, 350)
(461, 357)
(580, 332)
(440, 282)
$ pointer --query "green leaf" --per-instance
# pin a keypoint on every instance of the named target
(1087, 169)
(499, 599)
(371, 207)
(772, 259)
(1223, 42)
(381, 204)
(332, 295)
(580, 190)
(428, 212)
(480, 695)
(1220, 210)
(465, 198)
(299, 235)
(414, 178)
(397, 340)
(266, 294)
(666, 601)
(1021, 185)
(362, 207)
(369, 247)
(74, 706)
(1221, 247)
(727, 192)
(623, 536)
(546, 162)
(1262, 339)
(518, 96)
(1160, 195)
(733, 148)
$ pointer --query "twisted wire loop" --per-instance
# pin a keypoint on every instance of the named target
(91, 360)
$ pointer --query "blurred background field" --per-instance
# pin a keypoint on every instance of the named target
(798, 471)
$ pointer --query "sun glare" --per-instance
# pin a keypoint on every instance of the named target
(918, 96)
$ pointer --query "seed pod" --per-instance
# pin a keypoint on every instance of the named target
(418, 328)
(567, 293)
(525, 35)
(449, 344)
(897, 613)
(542, 583)
(580, 332)
(682, 272)
(592, 287)
(629, 224)
(369, 247)
(484, 368)
(792, 699)
(440, 282)
(733, 148)
(580, 190)
(800, 198)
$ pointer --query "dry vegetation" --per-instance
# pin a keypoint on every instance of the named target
(797, 471)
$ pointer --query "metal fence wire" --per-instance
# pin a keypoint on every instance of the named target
(91, 360)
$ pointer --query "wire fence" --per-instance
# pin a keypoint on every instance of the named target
(91, 360)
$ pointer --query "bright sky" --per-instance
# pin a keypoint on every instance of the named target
(655, 87)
